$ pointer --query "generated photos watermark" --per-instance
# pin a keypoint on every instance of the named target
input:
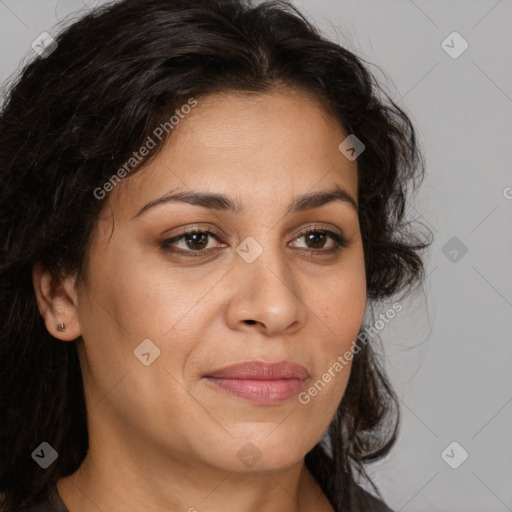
(137, 156)
(342, 361)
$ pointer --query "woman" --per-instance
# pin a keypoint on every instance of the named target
(201, 199)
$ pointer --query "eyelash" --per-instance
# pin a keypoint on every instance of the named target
(340, 240)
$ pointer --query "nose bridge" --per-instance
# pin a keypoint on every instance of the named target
(265, 290)
(265, 263)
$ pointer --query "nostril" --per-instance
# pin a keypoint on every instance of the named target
(250, 322)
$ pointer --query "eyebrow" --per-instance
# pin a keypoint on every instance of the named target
(220, 202)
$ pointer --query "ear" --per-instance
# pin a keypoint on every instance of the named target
(58, 303)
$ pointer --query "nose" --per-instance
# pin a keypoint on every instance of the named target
(265, 296)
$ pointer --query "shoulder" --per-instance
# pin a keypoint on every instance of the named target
(365, 501)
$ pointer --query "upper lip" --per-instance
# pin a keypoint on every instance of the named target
(260, 370)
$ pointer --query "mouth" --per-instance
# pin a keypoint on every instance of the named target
(260, 382)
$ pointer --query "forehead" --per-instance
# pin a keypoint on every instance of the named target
(250, 145)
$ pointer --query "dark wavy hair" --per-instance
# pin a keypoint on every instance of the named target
(71, 119)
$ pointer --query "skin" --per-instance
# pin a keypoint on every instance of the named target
(161, 437)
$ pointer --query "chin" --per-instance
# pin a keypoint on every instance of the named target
(263, 453)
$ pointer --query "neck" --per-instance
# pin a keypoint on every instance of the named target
(144, 482)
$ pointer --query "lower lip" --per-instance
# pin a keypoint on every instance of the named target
(260, 391)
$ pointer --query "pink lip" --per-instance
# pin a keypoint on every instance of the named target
(264, 383)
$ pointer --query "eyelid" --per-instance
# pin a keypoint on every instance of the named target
(320, 227)
(203, 227)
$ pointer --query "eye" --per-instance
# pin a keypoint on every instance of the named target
(318, 237)
(195, 243)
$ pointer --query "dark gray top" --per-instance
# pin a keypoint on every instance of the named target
(363, 501)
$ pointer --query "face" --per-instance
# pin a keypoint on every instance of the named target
(266, 283)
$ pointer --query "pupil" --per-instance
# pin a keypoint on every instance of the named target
(317, 234)
(192, 240)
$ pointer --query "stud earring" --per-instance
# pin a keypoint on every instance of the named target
(61, 327)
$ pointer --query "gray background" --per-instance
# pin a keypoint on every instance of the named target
(449, 351)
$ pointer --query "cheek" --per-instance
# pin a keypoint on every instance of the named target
(339, 306)
(132, 295)
(128, 301)
(340, 302)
